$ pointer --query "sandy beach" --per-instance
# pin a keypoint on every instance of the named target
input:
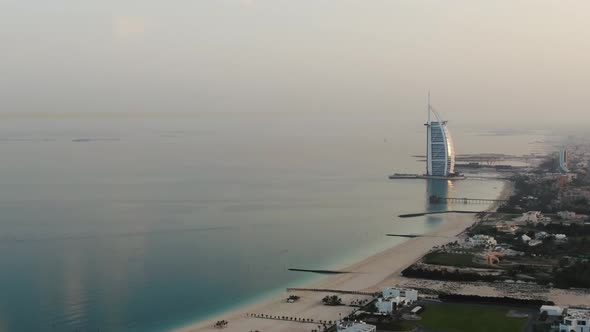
(371, 273)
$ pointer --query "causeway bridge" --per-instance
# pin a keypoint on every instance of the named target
(434, 199)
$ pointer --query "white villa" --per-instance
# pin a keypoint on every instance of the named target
(576, 320)
(386, 306)
(408, 295)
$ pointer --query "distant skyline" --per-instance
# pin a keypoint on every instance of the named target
(497, 61)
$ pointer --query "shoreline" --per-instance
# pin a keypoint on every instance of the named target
(377, 271)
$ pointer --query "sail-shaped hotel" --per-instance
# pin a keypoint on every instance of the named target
(440, 151)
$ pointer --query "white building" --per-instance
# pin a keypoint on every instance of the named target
(406, 295)
(534, 243)
(551, 310)
(356, 327)
(480, 240)
(525, 238)
(390, 292)
(532, 216)
(577, 320)
(411, 295)
(560, 237)
(386, 306)
(440, 154)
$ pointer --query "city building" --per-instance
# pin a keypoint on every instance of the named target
(577, 320)
(355, 327)
(563, 160)
(440, 156)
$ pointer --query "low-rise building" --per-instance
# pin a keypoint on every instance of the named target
(532, 216)
(409, 295)
(386, 306)
(577, 320)
(390, 292)
(480, 240)
(506, 228)
(541, 235)
(355, 327)
(551, 310)
(534, 243)
(566, 215)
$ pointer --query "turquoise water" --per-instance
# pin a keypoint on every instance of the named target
(138, 224)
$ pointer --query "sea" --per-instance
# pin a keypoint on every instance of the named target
(149, 222)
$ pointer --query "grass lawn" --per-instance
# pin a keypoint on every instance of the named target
(468, 318)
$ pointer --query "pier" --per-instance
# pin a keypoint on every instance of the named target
(464, 200)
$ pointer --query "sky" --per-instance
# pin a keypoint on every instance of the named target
(497, 61)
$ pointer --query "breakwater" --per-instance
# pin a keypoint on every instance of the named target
(320, 271)
(420, 214)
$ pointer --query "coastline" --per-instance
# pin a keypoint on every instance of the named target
(373, 272)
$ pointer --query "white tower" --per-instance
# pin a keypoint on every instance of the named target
(440, 154)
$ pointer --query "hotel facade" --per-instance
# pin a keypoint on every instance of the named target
(440, 157)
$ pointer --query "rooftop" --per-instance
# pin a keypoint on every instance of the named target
(355, 327)
(578, 314)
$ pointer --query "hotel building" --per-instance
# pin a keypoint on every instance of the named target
(440, 157)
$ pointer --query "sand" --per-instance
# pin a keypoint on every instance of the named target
(373, 272)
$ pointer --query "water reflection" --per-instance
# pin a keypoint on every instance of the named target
(440, 188)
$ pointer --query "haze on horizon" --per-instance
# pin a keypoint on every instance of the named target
(498, 61)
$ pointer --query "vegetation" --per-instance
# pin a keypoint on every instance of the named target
(415, 272)
(332, 300)
(576, 275)
(543, 193)
(467, 318)
(450, 259)
(293, 298)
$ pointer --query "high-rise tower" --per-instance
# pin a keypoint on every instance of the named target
(440, 156)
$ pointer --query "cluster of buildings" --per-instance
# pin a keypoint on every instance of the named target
(534, 217)
(391, 299)
(540, 236)
(577, 320)
(481, 241)
(395, 298)
(574, 320)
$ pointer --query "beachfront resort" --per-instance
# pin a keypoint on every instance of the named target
(522, 265)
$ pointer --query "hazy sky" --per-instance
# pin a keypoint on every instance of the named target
(482, 60)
